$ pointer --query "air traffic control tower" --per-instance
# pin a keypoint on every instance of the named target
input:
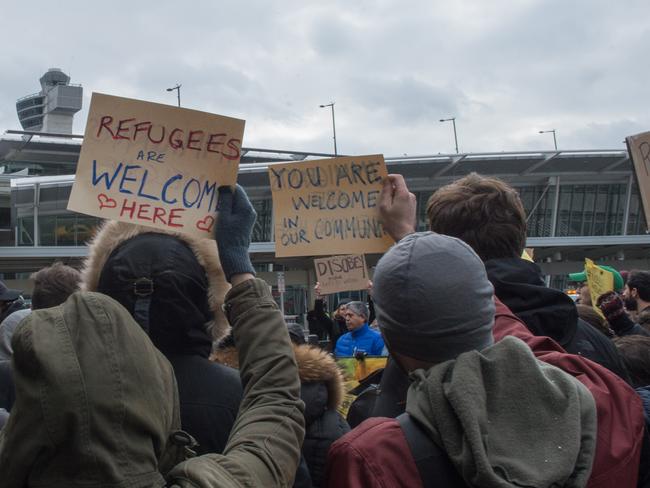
(53, 108)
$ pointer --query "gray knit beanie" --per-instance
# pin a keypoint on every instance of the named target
(433, 298)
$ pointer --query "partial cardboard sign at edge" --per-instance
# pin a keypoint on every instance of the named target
(638, 147)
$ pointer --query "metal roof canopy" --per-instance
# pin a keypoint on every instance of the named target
(43, 147)
(516, 165)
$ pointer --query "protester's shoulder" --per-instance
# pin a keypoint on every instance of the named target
(202, 368)
(375, 450)
(377, 336)
(594, 345)
(7, 389)
(4, 416)
(373, 333)
(344, 339)
(644, 317)
(369, 335)
(588, 339)
(368, 435)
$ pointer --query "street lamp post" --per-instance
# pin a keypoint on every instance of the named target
(554, 138)
(333, 124)
(178, 92)
(453, 121)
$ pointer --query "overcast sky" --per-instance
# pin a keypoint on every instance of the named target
(504, 68)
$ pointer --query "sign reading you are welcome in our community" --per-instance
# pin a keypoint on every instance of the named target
(328, 206)
(155, 165)
(341, 273)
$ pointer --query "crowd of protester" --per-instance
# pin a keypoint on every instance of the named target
(164, 361)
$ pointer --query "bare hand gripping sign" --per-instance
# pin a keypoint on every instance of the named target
(154, 164)
(328, 206)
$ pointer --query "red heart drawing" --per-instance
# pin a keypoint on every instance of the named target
(105, 202)
(205, 223)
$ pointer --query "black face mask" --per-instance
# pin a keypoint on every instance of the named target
(630, 304)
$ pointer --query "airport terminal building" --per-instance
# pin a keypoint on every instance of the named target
(580, 203)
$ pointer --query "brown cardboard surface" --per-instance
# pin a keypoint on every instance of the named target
(155, 165)
(341, 273)
(328, 206)
(639, 148)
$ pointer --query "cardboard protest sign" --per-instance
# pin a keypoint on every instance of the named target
(639, 148)
(341, 273)
(355, 371)
(155, 165)
(328, 206)
(528, 254)
(599, 280)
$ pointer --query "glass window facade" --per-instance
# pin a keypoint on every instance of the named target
(636, 224)
(263, 229)
(422, 199)
(591, 210)
(39, 169)
(295, 300)
(583, 210)
(25, 229)
(539, 201)
(58, 230)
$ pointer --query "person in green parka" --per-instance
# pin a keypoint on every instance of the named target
(97, 404)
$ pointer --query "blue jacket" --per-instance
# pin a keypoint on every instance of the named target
(364, 339)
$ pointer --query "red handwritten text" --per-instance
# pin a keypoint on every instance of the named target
(157, 215)
(196, 140)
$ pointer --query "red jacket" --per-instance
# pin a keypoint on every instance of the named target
(375, 453)
(619, 408)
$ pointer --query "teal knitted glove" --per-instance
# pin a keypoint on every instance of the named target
(235, 220)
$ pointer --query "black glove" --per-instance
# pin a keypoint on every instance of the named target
(235, 220)
(611, 305)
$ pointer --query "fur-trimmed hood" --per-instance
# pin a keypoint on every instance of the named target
(314, 366)
(171, 267)
(317, 366)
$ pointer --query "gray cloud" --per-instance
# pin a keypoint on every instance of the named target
(504, 69)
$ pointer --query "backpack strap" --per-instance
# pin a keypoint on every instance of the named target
(434, 467)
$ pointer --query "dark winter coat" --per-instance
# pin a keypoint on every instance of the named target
(7, 389)
(173, 286)
(548, 312)
(323, 326)
(623, 325)
(321, 386)
(644, 319)
(264, 448)
(209, 395)
(644, 468)
(18, 304)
